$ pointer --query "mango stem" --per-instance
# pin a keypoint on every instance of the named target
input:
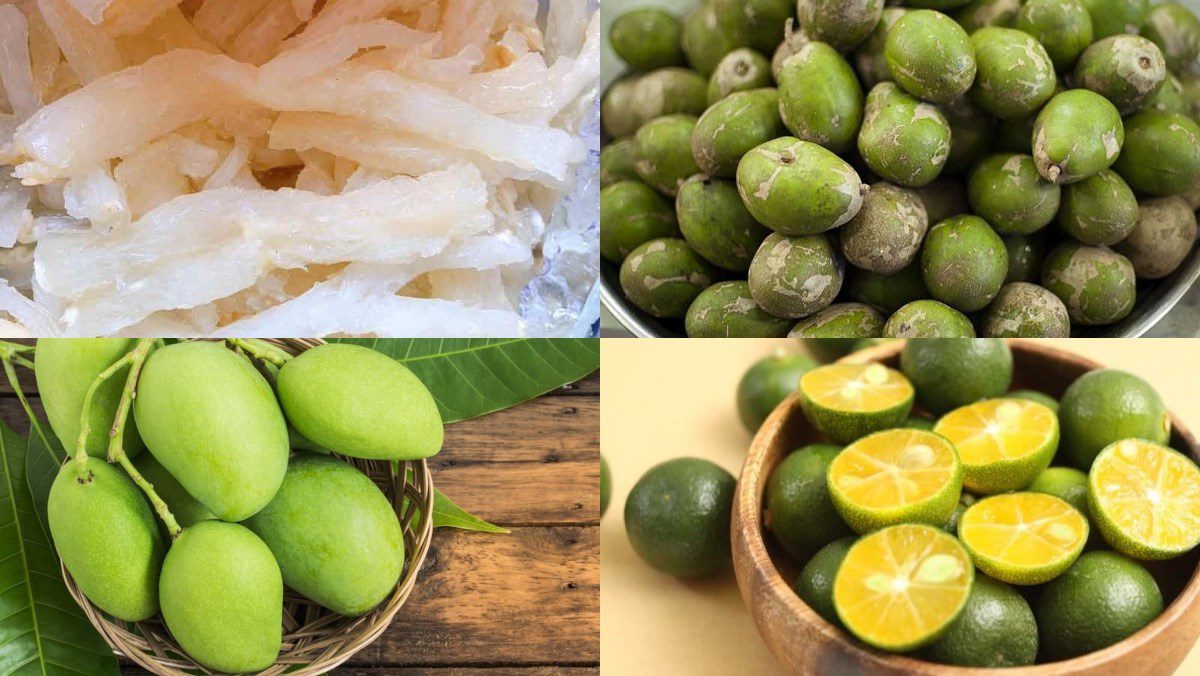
(133, 359)
(261, 350)
(116, 442)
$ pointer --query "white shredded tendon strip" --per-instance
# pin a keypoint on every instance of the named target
(297, 167)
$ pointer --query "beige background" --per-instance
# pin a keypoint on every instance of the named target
(668, 398)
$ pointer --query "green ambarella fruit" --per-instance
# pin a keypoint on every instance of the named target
(106, 536)
(972, 134)
(668, 91)
(727, 310)
(665, 152)
(647, 39)
(1014, 74)
(798, 188)
(222, 597)
(979, 14)
(1025, 254)
(1161, 238)
(1176, 30)
(1125, 69)
(869, 58)
(928, 319)
(768, 382)
(716, 223)
(616, 162)
(663, 277)
(1096, 285)
(65, 369)
(1064, 27)
(795, 276)
(741, 70)
(334, 534)
(841, 320)
(1023, 310)
(842, 24)
(964, 262)
(733, 127)
(793, 40)
(887, 293)
(886, 233)
(1099, 210)
(616, 109)
(186, 509)
(904, 140)
(937, 4)
(1112, 17)
(631, 214)
(943, 198)
(358, 402)
(758, 23)
(1170, 98)
(1007, 191)
(820, 98)
(930, 56)
(1078, 134)
(212, 420)
(1161, 155)
(704, 41)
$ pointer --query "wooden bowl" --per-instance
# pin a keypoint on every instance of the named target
(804, 643)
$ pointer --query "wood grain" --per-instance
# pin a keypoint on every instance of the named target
(804, 643)
(526, 603)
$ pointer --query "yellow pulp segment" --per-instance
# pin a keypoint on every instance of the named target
(1023, 530)
(1151, 493)
(856, 387)
(893, 468)
(902, 584)
(998, 429)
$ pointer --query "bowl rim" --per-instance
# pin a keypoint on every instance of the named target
(746, 526)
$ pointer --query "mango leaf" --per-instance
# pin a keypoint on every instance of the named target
(42, 631)
(470, 377)
(43, 458)
(446, 514)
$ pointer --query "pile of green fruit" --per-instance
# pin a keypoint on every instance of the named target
(946, 516)
(207, 450)
(945, 168)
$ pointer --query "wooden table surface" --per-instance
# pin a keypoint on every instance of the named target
(526, 603)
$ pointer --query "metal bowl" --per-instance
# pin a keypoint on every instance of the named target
(1154, 298)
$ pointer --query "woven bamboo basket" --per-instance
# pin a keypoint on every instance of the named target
(315, 640)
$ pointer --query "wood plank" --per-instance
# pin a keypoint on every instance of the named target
(536, 463)
(530, 598)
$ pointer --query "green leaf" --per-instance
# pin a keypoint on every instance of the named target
(42, 630)
(43, 458)
(472, 377)
(446, 514)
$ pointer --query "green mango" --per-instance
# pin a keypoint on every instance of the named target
(358, 402)
(65, 368)
(106, 536)
(222, 597)
(213, 422)
(186, 509)
(334, 534)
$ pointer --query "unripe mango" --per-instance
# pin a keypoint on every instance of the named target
(186, 509)
(358, 402)
(65, 368)
(213, 422)
(106, 536)
(334, 534)
(222, 597)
